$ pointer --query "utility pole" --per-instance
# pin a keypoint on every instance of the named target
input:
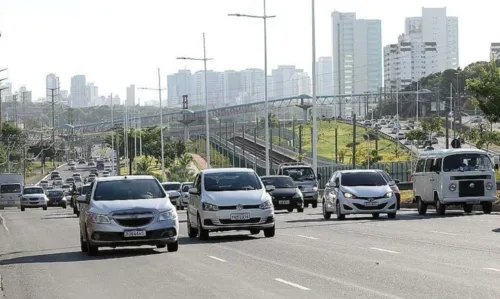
(16, 117)
(52, 96)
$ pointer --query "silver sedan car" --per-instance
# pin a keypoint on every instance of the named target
(127, 211)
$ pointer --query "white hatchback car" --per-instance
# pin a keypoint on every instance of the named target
(226, 199)
(358, 192)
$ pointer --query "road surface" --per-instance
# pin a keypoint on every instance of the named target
(455, 256)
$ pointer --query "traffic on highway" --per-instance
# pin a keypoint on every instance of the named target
(264, 237)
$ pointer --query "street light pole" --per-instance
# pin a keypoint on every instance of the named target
(314, 112)
(207, 120)
(264, 17)
(112, 136)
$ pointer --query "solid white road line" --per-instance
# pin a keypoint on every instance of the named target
(384, 250)
(4, 224)
(443, 233)
(492, 269)
(312, 238)
(298, 286)
(217, 259)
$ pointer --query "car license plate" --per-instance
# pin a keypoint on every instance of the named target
(240, 216)
(371, 204)
(134, 233)
(472, 202)
(283, 202)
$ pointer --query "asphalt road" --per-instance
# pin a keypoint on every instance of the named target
(455, 256)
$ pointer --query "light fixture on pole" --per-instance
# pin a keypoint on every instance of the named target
(207, 120)
(264, 17)
(159, 89)
(314, 111)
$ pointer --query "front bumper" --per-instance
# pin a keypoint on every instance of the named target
(221, 220)
(113, 235)
(293, 203)
(358, 206)
(311, 196)
(468, 200)
(36, 203)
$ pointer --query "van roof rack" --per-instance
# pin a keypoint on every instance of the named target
(293, 164)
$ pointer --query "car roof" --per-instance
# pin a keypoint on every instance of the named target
(274, 176)
(360, 170)
(124, 177)
(185, 183)
(170, 183)
(224, 170)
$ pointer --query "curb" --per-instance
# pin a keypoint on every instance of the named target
(411, 205)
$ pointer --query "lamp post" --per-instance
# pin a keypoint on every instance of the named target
(314, 112)
(207, 120)
(159, 89)
(264, 17)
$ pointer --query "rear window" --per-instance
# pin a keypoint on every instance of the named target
(55, 193)
(279, 182)
(33, 191)
(127, 189)
(299, 173)
(85, 189)
(10, 188)
(70, 179)
(171, 187)
(362, 179)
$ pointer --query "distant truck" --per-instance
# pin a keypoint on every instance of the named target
(11, 189)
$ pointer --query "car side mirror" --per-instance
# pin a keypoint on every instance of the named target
(318, 176)
(300, 187)
(270, 188)
(396, 181)
(194, 191)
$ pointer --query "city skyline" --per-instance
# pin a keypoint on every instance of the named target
(227, 46)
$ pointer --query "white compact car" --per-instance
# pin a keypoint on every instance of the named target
(226, 199)
(358, 192)
(33, 197)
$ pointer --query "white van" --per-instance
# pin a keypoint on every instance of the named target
(464, 177)
(11, 189)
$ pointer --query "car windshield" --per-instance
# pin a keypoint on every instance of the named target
(55, 193)
(70, 179)
(92, 176)
(279, 182)
(352, 179)
(467, 162)
(171, 187)
(10, 188)
(232, 181)
(33, 191)
(128, 189)
(66, 186)
(299, 173)
(185, 187)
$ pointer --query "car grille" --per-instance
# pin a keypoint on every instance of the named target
(249, 221)
(133, 219)
(470, 188)
(365, 208)
(134, 222)
(244, 207)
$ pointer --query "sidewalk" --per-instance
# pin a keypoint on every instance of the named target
(199, 161)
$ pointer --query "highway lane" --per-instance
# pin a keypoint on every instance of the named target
(455, 256)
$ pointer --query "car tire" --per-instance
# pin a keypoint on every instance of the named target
(306, 205)
(64, 206)
(203, 234)
(45, 208)
(22, 209)
(91, 249)
(300, 210)
(83, 244)
(270, 232)
(254, 231)
(487, 207)
(375, 215)
(173, 247)
(440, 208)
(468, 208)
(314, 205)
(161, 246)
(391, 215)
(421, 207)
(192, 232)
(340, 216)
(326, 215)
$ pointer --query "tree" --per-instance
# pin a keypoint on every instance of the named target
(417, 134)
(486, 91)
(434, 124)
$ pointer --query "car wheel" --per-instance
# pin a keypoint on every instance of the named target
(487, 207)
(203, 234)
(22, 209)
(421, 207)
(326, 215)
(300, 210)
(173, 247)
(192, 232)
(254, 231)
(391, 215)
(83, 244)
(314, 205)
(289, 210)
(440, 208)
(64, 206)
(161, 246)
(375, 215)
(468, 208)
(269, 232)
(45, 208)
(340, 216)
(91, 249)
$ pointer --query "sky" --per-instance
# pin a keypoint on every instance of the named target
(116, 43)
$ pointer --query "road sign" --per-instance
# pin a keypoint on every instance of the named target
(455, 143)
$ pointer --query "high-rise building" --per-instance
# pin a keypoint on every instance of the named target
(79, 91)
(52, 86)
(324, 76)
(301, 84)
(178, 85)
(435, 26)
(92, 94)
(283, 84)
(215, 88)
(495, 51)
(357, 55)
(408, 61)
(232, 87)
(24, 96)
(253, 85)
(130, 100)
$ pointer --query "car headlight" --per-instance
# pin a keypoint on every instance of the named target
(388, 194)
(209, 207)
(315, 188)
(349, 195)
(266, 205)
(98, 218)
(489, 185)
(452, 187)
(167, 215)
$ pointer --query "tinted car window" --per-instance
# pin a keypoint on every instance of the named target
(299, 173)
(10, 188)
(386, 177)
(33, 191)
(171, 187)
(362, 179)
(55, 193)
(85, 189)
(232, 181)
(128, 190)
(279, 182)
